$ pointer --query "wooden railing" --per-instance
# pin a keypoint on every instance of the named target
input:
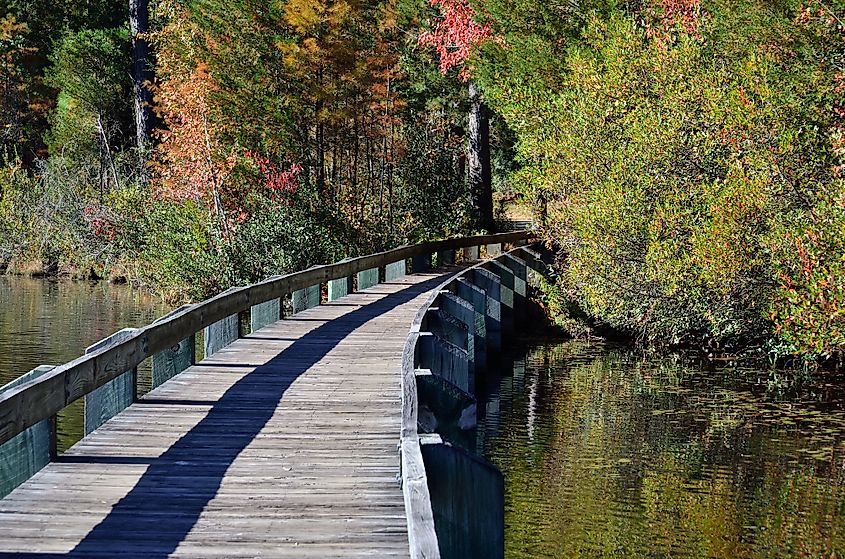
(41, 398)
(460, 324)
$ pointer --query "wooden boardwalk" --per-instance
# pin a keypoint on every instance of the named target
(283, 444)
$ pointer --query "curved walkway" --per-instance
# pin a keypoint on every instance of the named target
(283, 444)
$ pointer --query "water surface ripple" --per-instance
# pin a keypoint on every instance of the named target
(607, 454)
(44, 322)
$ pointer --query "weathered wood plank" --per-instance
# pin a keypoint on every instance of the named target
(445, 409)
(494, 250)
(170, 362)
(220, 334)
(421, 263)
(367, 278)
(491, 284)
(445, 258)
(446, 360)
(264, 314)
(464, 312)
(304, 299)
(338, 288)
(467, 501)
(507, 284)
(395, 270)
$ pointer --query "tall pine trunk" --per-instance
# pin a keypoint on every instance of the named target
(480, 174)
(142, 76)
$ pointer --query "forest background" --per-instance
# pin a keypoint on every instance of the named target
(685, 157)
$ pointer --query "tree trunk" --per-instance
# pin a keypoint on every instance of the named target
(142, 76)
(480, 175)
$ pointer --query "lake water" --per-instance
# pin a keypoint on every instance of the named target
(607, 454)
(45, 322)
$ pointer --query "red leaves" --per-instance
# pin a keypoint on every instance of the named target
(455, 35)
(281, 183)
(673, 16)
(101, 226)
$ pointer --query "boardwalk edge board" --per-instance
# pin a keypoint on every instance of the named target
(454, 499)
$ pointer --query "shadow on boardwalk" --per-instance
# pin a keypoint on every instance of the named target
(170, 496)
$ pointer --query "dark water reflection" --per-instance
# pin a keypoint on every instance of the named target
(607, 454)
(48, 323)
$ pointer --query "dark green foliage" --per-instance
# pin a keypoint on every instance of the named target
(90, 67)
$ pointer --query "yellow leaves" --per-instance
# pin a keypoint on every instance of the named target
(9, 28)
(339, 13)
(388, 18)
(304, 15)
(311, 46)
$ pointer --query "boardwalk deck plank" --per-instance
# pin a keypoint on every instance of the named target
(283, 444)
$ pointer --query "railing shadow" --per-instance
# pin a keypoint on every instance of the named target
(167, 501)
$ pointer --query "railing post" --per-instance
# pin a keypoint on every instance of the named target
(304, 299)
(446, 409)
(339, 288)
(446, 360)
(445, 258)
(421, 263)
(507, 281)
(448, 327)
(395, 270)
(368, 278)
(103, 403)
(476, 297)
(467, 499)
(520, 285)
(492, 286)
(30, 450)
(172, 361)
(220, 334)
(264, 314)
(463, 311)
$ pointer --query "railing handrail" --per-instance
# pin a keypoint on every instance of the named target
(39, 399)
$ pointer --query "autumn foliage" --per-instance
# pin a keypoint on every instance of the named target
(686, 156)
(455, 34)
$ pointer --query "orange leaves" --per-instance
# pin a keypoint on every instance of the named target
(10, 28)
(192, 162)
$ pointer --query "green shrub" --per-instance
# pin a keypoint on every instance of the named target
(689, 174)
